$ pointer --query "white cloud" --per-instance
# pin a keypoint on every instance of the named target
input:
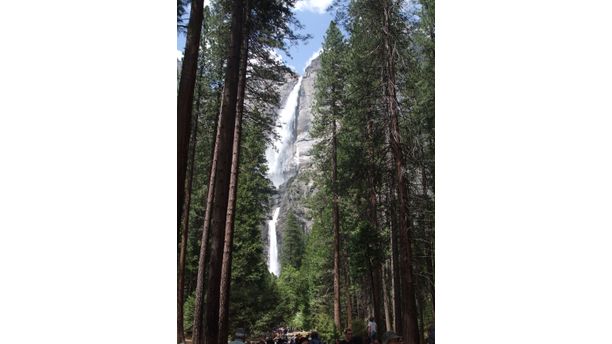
(317, 6)
(179, 55)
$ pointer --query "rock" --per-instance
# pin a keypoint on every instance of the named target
(294, 193)
(304, 142)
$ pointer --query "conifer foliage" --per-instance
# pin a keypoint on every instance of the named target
(330, 90)
(374, 120)
(369, 248)
(232, 74)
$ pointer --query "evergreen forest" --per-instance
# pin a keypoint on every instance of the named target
(352, 217)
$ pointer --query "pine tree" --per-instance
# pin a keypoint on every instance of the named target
(270, 28)
(233, 184)
(329, 88)
(374, 121)
(185, 233)
(200, 112)
(252, 308)
(292, 250)
(185, 97)
(365, 129)
(218, 190)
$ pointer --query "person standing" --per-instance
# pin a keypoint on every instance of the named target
(371, 329)
(348, 336)
(239, 337)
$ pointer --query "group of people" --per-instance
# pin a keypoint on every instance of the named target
(279, 336)
(388, 337)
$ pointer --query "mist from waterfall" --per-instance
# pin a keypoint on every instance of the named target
(279, 157)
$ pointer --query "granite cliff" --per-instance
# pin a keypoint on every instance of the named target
(294, 156)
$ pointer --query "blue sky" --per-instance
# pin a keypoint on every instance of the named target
(314, 18)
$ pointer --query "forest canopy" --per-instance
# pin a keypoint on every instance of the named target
(356, 225)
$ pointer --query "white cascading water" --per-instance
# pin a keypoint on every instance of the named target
(279, 156)
(280, 153)
(273, 266)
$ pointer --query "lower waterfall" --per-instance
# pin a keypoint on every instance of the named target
(273, 266)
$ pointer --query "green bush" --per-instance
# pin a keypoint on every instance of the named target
(360, 328)
(188, 309)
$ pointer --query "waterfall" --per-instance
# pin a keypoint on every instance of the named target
(280, 157)
(273, 266)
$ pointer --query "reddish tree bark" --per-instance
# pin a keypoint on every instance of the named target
(396, 294)
(226, 269)
(220, 203)
(218, 191)
(374, 272)
(336, 229)
(185, 233)
(409, 325)
(184, 118)
(388, 324)
(185, 97)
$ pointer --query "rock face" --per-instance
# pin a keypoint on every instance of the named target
(305, 108)
(297, 188)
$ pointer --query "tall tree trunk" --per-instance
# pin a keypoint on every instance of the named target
(421, 308)
(187, 205)
(374, 272)
(226, 270)
(220, 204)
(198, 329)
(429, 252)
(185, 97)
(367, 285)
(408, 305)
(347, 291)
(388, 325)
(373, 293)
(360, 302)
(395, 271)
(218, 188)
(336, 229)
(378, 297)
(430, 272)
(185, 234)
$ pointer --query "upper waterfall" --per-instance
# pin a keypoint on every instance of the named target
(280, 154)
